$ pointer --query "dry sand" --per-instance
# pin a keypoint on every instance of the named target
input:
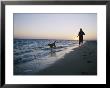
(81, 61)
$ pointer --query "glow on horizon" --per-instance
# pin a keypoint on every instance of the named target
(55, 26)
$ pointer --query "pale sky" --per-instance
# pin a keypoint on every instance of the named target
(55, 26)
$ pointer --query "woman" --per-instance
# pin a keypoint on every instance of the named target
(81, 33)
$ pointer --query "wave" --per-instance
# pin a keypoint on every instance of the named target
(27, 50)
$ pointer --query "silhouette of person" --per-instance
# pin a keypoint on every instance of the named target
(80, 34)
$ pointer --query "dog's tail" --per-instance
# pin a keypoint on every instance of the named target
(55, 41)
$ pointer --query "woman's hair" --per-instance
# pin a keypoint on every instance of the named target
(80, 29)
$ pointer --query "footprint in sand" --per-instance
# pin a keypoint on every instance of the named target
(84, 55)
(89, 62)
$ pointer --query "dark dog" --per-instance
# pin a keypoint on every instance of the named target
(52, 45)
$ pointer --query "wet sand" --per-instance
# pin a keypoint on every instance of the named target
(81, 61)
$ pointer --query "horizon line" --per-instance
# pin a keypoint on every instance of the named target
(56, 39)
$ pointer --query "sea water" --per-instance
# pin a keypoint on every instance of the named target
(33, 55)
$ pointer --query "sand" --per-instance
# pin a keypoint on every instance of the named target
(81, 61)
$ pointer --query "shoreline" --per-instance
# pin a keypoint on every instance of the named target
(35, 65)
(81, 61)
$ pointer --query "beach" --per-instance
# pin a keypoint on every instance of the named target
(67, 59)
(32, 56)
(81, 61)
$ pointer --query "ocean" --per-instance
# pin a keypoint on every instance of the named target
(33, 55)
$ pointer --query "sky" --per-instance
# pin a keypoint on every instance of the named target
(55, 25)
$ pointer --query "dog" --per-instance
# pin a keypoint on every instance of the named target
(52, 45)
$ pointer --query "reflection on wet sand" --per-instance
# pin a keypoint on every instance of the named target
(53, 53)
